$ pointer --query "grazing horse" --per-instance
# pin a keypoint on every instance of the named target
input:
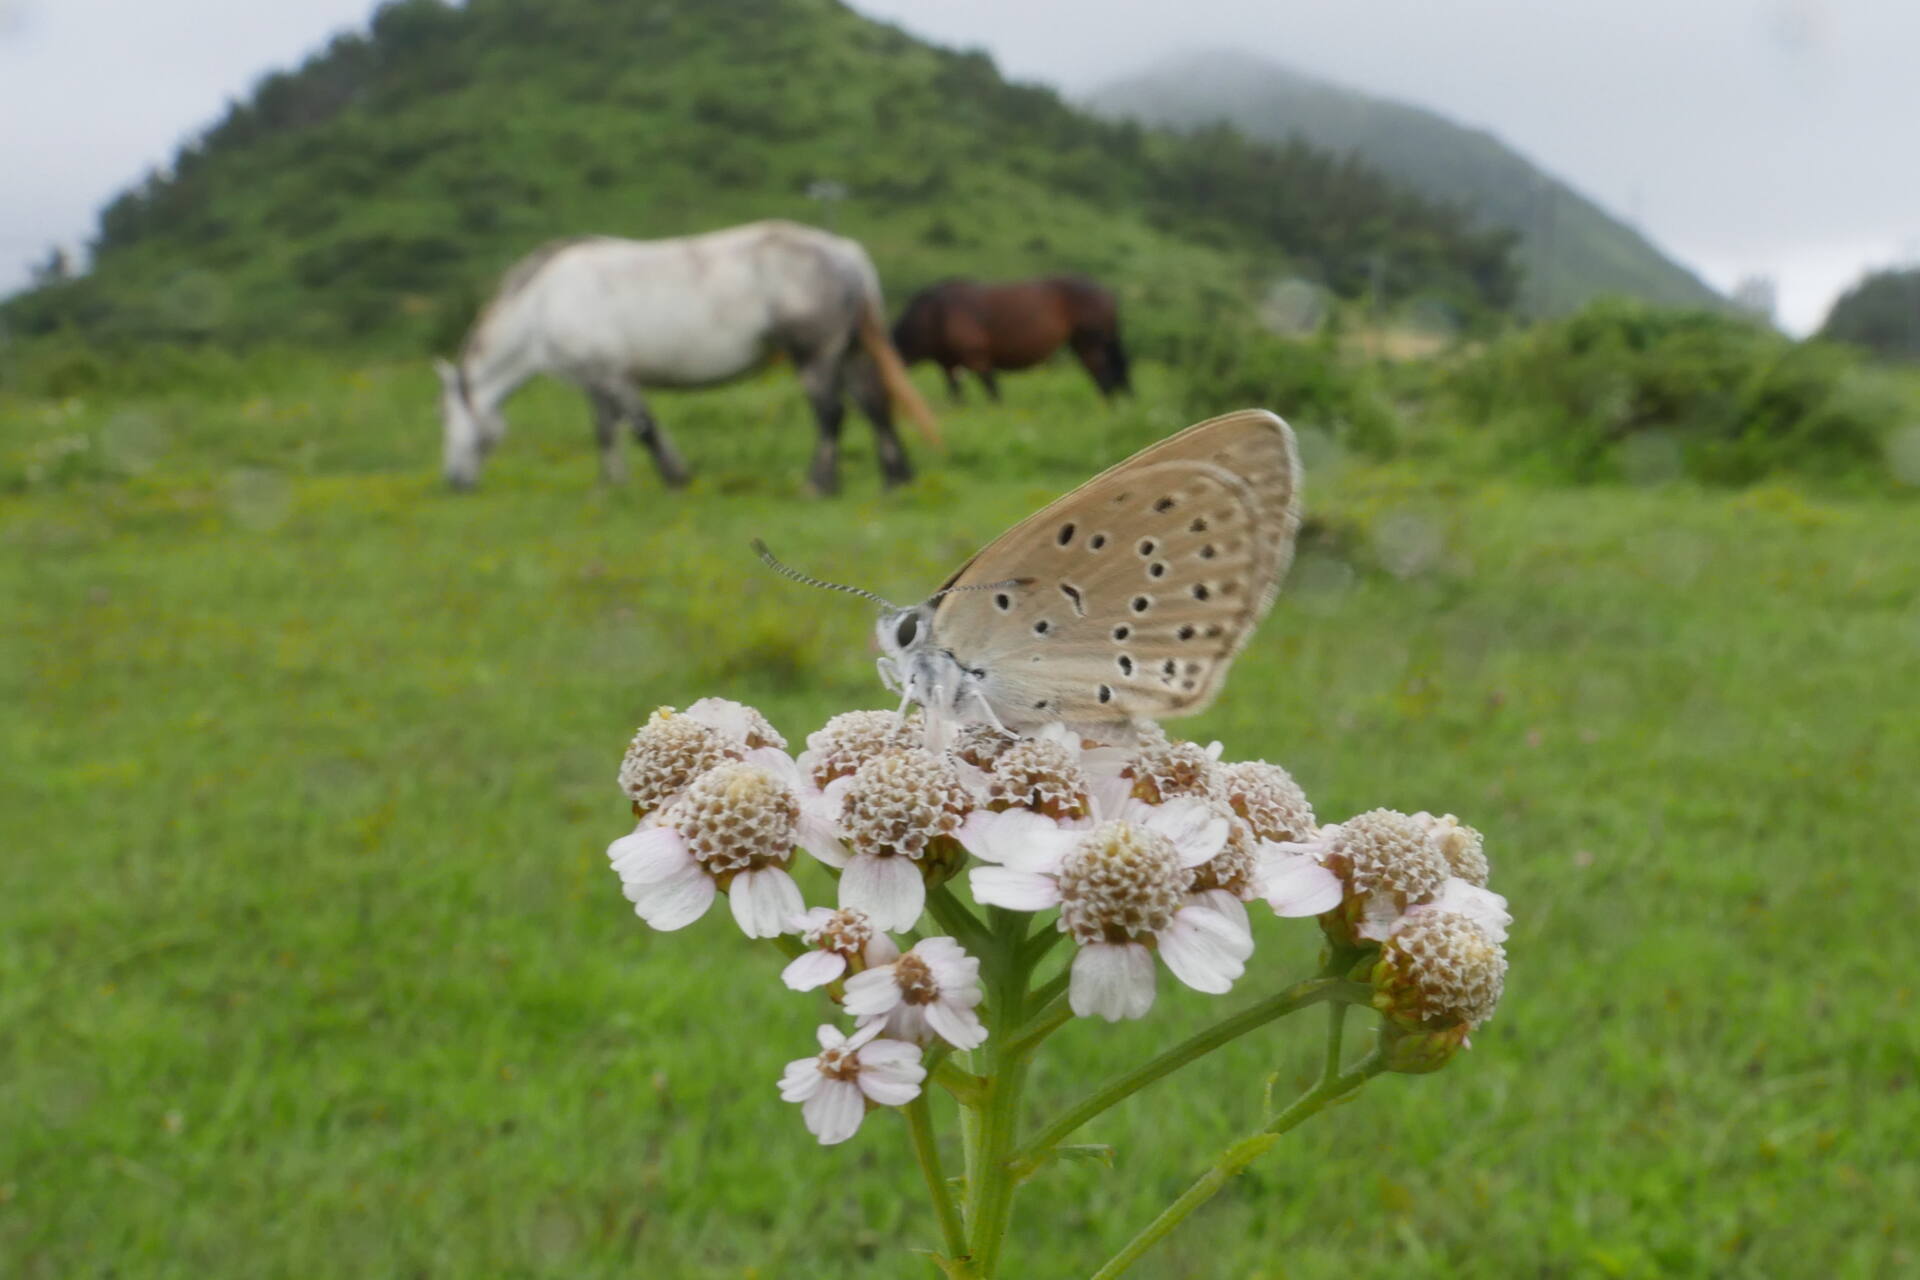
(961, 324)
(615, 317)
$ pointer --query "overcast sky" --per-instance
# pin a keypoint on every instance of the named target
(1745, 136)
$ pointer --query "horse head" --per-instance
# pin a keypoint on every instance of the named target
(464, 436)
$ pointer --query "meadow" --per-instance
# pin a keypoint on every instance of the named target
(311, 963)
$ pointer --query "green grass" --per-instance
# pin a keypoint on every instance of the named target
(311, 965)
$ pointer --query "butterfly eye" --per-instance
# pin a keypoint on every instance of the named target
(909, 628)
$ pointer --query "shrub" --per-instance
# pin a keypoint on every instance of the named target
(1728, 400)
(1307, 383)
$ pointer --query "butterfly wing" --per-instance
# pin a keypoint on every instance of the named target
(1139, 587)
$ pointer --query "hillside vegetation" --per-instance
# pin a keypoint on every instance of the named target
(376, 192)
(1881, 314)
(1571, 248)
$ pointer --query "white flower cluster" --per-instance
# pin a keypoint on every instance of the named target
(1149, 849)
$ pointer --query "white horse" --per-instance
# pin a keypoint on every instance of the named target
(616, 316)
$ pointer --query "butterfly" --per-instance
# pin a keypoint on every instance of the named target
(1125, 600)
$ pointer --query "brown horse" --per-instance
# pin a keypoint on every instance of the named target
(961, 324)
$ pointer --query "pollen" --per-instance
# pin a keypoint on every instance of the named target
(667, 753)
(900, 802)
(1167, 769)
(1121, 883)
(852, 738)
(1270, 801)
(1441, 969)
(1382, 851)
(1464, 848)
(737, 817)
(1041, 775)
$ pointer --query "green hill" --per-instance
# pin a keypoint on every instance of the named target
(1572, 249)
(377, 191)
(1880, 313)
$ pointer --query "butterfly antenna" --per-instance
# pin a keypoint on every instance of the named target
(785, 571)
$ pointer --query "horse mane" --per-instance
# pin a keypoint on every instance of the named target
(518, 277)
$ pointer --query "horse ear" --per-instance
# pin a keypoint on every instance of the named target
(449, 375)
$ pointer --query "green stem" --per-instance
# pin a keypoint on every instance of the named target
(1294, 998)
(990, 1184)
(961, 924)
(926, 1149)
(1053, 1015)
(968, 1090)
(1051, 989)
(1237, 1157)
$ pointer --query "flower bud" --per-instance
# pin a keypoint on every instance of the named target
(1164, 769)
(1463, 847)
(1269, 800)
(1438, 971)
(667, 754)
(838, 748)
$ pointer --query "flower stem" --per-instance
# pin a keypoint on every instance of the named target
(961, 924)
(1294, 998)
(926, 1149)
(1234, 1159)
(1053, 1015)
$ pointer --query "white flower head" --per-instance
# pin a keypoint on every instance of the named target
(840, 940)
(737, 722)
(901, 813)
(734, 829)
(838, 748)
(667, 753)
(835, 1086)
(1464, 848)
(1163, 769)
(1440, 969)
(1122, 889)
(930, 991)
(1268, 799)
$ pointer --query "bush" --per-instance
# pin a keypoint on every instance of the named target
(1595, 395)
(1307, 383)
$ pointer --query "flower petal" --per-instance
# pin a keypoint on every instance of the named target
(1195, 829)
(1296, 885)
(1017, 838)
(1482, 906)
(880, 949)
(1204, 950)
(872, 992)
(814, 969)
(649, 855)
(957, 1024)
(676, 902)
(835, 1112)
(887, 887)
(816, 833)
(763, 901)
(1018, 890)
(1221, 902)
(801, 1080)
(1379, 918)
(891, 1085)
(778, 763)
(1111, 981)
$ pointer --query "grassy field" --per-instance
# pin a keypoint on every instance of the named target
(311, 964)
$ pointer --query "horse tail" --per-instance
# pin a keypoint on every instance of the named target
(893, 374)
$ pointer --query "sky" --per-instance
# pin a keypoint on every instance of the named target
(1769, 137)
